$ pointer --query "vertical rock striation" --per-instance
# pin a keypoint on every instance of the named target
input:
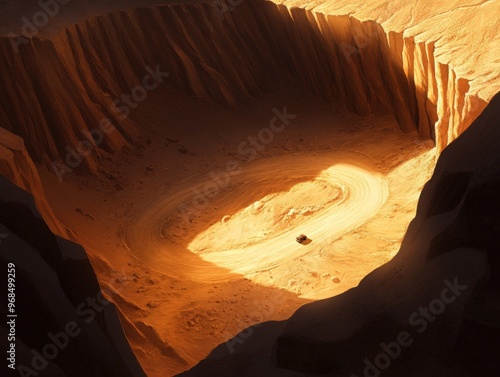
(56, 90)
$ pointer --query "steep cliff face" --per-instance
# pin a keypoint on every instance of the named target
(44, 101)
(63, 94)
(372, 70)
(429, 42)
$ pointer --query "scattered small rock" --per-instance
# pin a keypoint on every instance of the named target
(81, 212)
(139, 145)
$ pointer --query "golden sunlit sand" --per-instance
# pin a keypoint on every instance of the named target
(261, 237)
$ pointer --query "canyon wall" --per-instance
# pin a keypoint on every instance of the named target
(58, 92)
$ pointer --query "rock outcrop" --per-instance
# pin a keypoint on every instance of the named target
(17, 166)
(64, 327)
(431, 311)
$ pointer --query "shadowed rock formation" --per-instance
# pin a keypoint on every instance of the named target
(18, 167)
(64, 327)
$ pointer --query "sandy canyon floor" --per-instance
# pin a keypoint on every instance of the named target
(192, 230)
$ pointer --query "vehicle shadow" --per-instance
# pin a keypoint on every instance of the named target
(306, 242)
